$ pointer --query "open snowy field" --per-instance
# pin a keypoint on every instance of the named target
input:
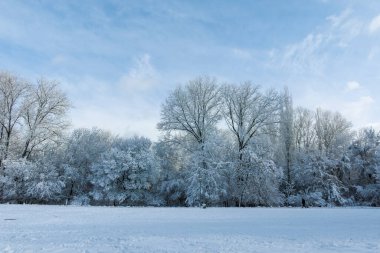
(26, 228)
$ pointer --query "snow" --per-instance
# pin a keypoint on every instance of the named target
(34, 228)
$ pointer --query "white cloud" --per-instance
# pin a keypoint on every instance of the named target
(359, 111)
(122, 110)
(313, 52)
(115, 119)
(59, 59)
(374, 51)
(338, 20)
(122, 115)
(374, 25)
(302, 56)
(241, 53)
(352, 85)
(141, 77)
(366, 100)
(375, 125)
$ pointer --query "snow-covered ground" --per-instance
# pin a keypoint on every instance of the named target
(26, 228)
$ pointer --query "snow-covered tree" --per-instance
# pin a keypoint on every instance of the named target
(333, 132)
(30, 115)
(286, 144)
(259, 180)
(248, 111)
(364, 171)
(192, 112)
(13, 91)
(43, 183)
(205, 179)
(125, 176)
(171, 183)
(321, 164)
(44, 115)
(26, 181)
(303, 129)
(192, 109)
(109, 176)
(83, 148)
(14, 178)
(317, 175)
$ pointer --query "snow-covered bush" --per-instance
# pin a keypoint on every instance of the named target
(27, 181)
(261, 178)
(317, 175)
(205, 183)
(315, 199)
(80, 200)
(173, 190)
(13, 180)
(43, 183)
(83, 148)
(295, 200)
(170, 184)
(369, 195)
(311, 199)
(125, 176)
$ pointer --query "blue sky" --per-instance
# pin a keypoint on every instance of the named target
(118, 60)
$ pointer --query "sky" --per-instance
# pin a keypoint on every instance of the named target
(118, 60)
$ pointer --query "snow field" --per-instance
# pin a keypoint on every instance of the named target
(34, 228)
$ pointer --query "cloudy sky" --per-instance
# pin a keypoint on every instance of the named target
(118, 60)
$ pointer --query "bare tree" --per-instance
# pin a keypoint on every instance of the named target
(193, 109)
(247, 110)
(44, 116)
(304, 131)
(331, 129)
(12, 107)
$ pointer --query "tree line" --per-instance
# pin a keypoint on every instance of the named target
(221, 145)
